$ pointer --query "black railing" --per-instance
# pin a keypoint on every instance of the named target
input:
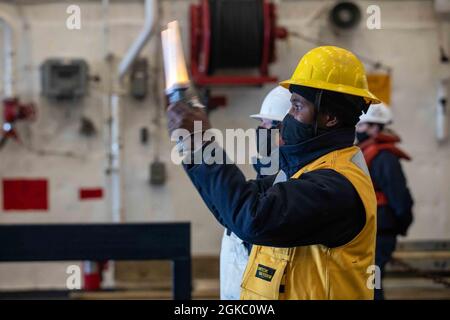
(101, 242)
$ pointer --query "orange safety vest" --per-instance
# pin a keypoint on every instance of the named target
(373, 146)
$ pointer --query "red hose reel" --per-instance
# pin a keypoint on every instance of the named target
(201, 45)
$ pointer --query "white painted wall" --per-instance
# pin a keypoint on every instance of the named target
(407, 42)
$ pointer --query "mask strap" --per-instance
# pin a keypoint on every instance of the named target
(317, 110)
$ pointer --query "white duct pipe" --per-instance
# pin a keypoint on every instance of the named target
(108, 75)
(8, 57)
(106, 29)
(115, 145)
(441, 112)
(141, 40)
(115, 157)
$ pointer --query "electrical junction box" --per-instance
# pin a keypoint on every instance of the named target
(139, 79)
(64, 79)
(157, 173)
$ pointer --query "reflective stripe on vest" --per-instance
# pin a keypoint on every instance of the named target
(317, 271)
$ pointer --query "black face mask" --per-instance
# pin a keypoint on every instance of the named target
(295, 132)
(362, 136)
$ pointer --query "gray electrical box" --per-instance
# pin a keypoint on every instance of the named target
(64, 78)
(139, 79)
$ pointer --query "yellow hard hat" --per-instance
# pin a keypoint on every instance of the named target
(334, 69)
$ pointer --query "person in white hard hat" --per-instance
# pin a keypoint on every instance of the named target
(234, 252)
(394, 201)
(274, 108)
(374, 120)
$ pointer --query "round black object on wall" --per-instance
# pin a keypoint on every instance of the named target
(345, 15)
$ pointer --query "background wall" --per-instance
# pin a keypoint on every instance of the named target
(408, 42)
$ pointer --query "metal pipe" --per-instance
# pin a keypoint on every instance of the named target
(441, 111)
(24, 74)
(141, 40)
(8, 58)
(115, 146)
(108, 72)
(115, 157)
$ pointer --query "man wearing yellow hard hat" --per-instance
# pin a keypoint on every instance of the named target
(313, 224)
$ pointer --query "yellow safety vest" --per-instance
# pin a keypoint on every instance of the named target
(316, 271)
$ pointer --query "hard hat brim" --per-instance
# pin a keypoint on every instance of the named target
(317, 84)
(261, 116)
(373, 120)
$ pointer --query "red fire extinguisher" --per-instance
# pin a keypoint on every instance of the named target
(92, 274)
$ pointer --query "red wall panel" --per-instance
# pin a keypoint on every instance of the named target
(90, 193)
(25, 194)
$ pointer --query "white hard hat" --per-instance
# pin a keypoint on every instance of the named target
(275, 106)
(377, 113)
